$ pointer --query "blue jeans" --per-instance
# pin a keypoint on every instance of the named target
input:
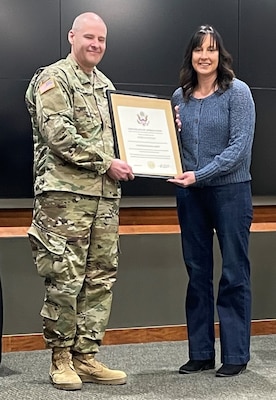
(228, 210)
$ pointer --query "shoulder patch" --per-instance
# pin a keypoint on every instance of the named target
(49, 84)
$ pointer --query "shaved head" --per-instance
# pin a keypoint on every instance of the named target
(84, 19)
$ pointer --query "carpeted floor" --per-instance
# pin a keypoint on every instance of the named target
(152, 370)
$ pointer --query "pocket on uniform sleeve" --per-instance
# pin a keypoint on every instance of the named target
(47, 247)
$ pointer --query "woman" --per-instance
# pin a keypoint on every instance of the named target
(216, 119)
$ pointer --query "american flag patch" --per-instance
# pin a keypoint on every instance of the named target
(49, 84)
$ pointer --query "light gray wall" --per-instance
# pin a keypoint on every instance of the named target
(151, 282)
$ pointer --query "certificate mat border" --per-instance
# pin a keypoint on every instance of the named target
(144, 100)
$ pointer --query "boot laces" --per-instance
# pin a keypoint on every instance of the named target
(95, 363)
(64, 359)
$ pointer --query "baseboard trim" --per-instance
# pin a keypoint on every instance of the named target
(30, 342)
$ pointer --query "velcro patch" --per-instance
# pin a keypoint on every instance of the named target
(49, 84)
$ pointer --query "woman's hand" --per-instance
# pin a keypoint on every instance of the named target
(177, 118)
(184, 180)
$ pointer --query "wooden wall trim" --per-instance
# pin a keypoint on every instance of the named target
(21, 231)
(134, 220)
(133, 216)
(35, 341)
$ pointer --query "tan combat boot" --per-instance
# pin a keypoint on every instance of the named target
(91, 370)
(62, 373)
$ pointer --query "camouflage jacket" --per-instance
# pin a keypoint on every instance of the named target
(73, 141)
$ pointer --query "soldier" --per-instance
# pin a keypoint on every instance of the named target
(74, 231)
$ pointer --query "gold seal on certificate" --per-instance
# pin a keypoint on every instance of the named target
(144, 133)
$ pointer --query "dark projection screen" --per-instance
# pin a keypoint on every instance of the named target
(145, 45)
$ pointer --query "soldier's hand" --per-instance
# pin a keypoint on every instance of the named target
(119, 170)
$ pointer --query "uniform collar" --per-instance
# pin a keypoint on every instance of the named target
(83, 77)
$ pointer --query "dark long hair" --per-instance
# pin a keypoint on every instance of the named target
(188, 76)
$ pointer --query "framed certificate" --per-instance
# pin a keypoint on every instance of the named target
(144, 133)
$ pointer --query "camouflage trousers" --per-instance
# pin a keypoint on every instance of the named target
(74, 241)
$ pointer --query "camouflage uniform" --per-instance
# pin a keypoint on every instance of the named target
(74, 232)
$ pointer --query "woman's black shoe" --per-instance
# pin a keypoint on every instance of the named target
(227, 370)
(193, 366)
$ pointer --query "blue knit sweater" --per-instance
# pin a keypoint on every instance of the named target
(217, 134)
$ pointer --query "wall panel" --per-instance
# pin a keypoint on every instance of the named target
(257, 43)
(29, 36)
(146, 41)
(264, 161)
(151, 285)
